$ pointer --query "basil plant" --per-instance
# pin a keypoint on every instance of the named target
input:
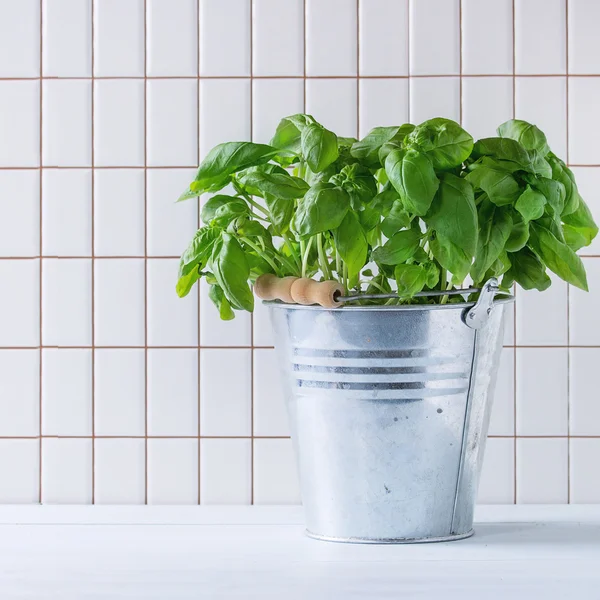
(405, 209)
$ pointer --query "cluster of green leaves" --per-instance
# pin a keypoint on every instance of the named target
(406, 209)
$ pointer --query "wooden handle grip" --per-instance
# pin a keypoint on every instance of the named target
(309, 291)
(271, 287)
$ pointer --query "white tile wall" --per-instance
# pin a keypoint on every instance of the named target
(173, 405)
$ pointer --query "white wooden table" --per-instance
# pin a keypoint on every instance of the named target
(171, 553)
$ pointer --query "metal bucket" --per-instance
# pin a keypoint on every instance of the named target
(389, 409)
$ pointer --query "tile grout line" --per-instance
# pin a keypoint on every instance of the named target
(408, 77)
(568, 286)
(145, 254)
(460, 60)
(251, 2)
(93, 250)
(199, 375)
(358, 76)
(40, 455)
(515, 352)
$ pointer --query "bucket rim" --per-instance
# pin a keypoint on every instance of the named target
(503, 299)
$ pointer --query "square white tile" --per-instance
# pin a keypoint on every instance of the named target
(20, 123)
(214, 332)
(172, 392)
(584, 458)
(20, 302)
(119, 287)
(542, 471)
(534, 325)
(261, 323)
(119, 38)
(383, 102)
(487, 24)
(383, 37)
(119, 123)
(119, 392)
(19, 393)
(328, 54)
(584, 408)
(225, 471)
(67, 38)
(172, 37)
(67, 128)
(543, 101)
(497, 482)
(225, 19)
(20, 35)
(277, 49)
(224, 112)
(333, 102)
(496, 94)
(542, 391)
(434, 97)
(273, 99)
(66, 392)
(270, 413)
(172, 122)
(502, 421)
(20, 221)
(540, 37)
(434, 20)
(170, 225)
(172, 321)
(67, 212)
(172, 471)
(119, 212)
(66, 471)
(67, 302)
(275, 472)
(584, 127)
(588, 182)
(584, 326)
(19, 471)
(509, 324)
(119, 471)
(584, 43)
(225, 392)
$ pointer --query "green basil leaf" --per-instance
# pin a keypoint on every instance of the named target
(319, 147)
(453, 213)
(398, 249)
(199, 250)
(562, 173)
(504, 149)
(528, 271)
(500, 266)
(410, 279)
(215, 293)
(559, 258)
(531, 204)
(323, 208)
(226, 213)
(367, 149)
(528, 135)
(187, 281)
(369, 218)
(553, 191)
(452, 258)
(281, 184)
(444, 141)
(231, 270)
(287, 136)
(433, 274)
(281, 212)
(225, 159)
(582, 222)
(519, 233)
(501, 187)
(351, 243)
(207, 214)
(397, 219)
(495, 225)
(413, 176)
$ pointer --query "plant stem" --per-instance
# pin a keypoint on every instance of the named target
(338, 264)
(288, 243)
(305, 256)
(446, 298)
(345, 270)
(262, 254)
(322, 258)
(256, 204)
(287, 263)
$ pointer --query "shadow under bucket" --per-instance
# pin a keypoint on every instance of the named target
(389, 409)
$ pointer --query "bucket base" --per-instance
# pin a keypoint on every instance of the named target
(356, 540)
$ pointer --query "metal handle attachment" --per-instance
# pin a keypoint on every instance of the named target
(476, 316)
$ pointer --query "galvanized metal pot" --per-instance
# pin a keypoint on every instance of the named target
(389, 409)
